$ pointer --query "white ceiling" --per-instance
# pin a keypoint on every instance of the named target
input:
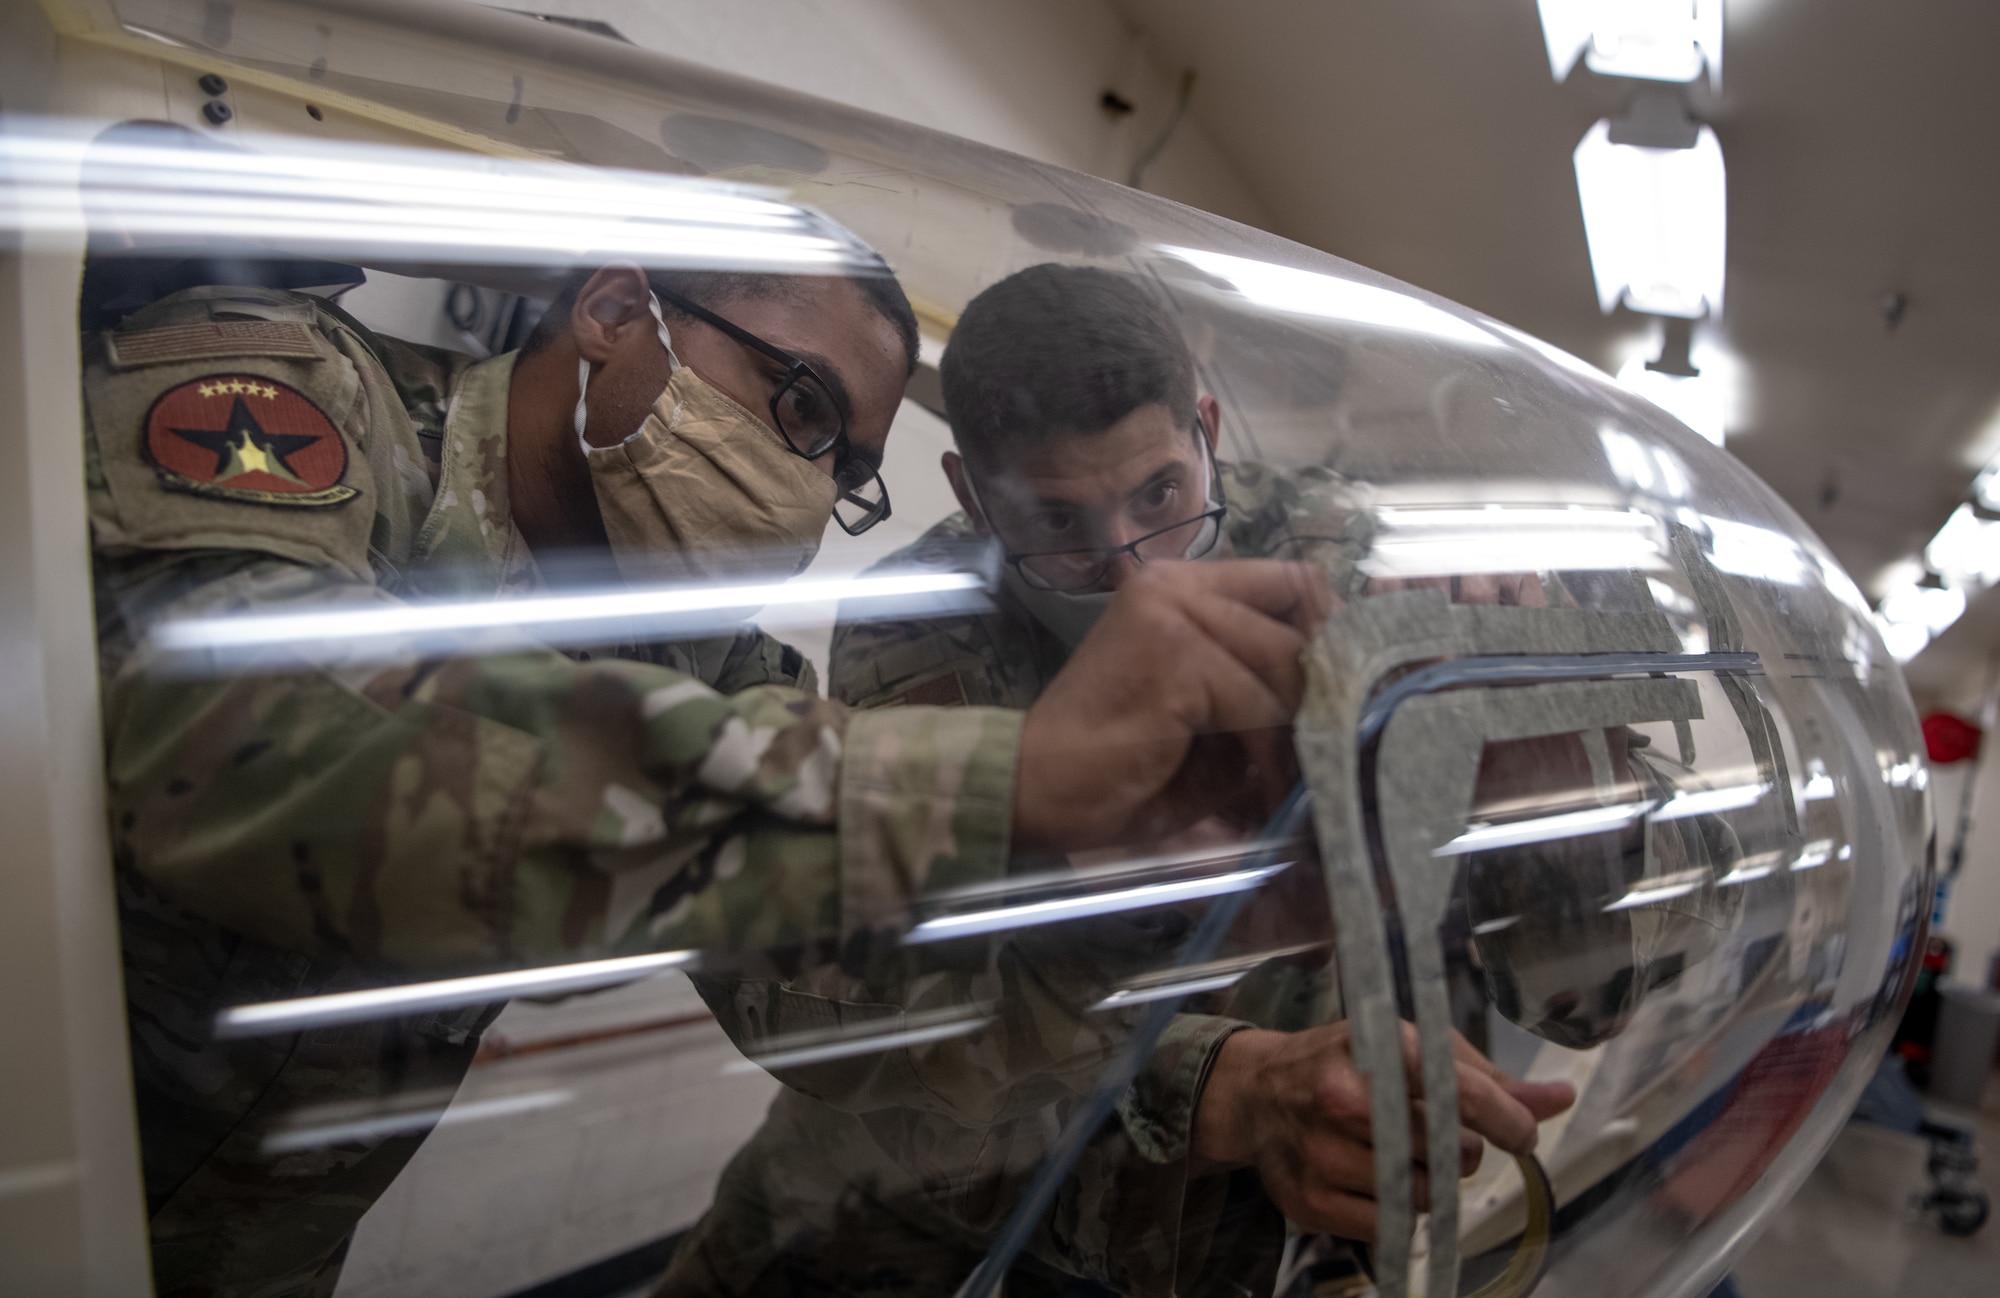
(1426, 139)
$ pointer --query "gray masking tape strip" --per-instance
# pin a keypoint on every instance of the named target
(1325, 741)
(1356, 648)
(1425, 773)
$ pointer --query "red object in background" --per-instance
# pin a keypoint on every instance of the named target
(1772, 1096)
(1950, 739)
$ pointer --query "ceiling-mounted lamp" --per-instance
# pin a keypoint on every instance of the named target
(1986, 487)
(1914, 613)
(1966, 550)
(1655, 210)
(1653, 40)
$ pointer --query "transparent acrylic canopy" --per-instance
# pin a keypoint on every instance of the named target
(1604, 766)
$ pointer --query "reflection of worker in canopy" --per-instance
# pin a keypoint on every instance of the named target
(321, 824)
(1085, 451)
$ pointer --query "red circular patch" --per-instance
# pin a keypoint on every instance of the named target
(247, 436)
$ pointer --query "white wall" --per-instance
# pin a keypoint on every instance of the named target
(1022, 75)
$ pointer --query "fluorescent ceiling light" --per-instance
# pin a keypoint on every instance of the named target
(1192, 980)
(376, 629)
(1668, 887)
(1544, 829)
(1910, 616)
(1130, 996)
(1656, 221)
(1656, 40)
(1709, 802)
(303, 1012)
(1966, 550)
(1909, 774)
(1986, 487)
(1643, 467)
(1031, 914)
(1446, 542)
(1903, 640)
(370, 202)
(804, 1049)
(1759, 553)
(1330, 297)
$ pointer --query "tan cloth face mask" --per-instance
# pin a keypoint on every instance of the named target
(704, 491)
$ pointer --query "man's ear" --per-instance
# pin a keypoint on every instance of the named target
(1209, 411)
(954, 471)
(608, 307)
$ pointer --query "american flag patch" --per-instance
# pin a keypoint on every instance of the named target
(208, 340)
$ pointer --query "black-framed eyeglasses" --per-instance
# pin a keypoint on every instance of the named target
(811, 422)
(1071, 570)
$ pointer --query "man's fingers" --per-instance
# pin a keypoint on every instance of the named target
(1483, 1104)
(1267, 646)
(1235, 698)
(1345, 1216)
(1291, 592)
(1494, 1114)
(1471, 1151)
(1543, 1099)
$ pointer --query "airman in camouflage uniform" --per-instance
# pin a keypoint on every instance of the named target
(896, 1182)
(854, 1189)
(310, 823)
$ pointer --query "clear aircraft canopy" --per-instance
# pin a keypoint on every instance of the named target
(1603, 766)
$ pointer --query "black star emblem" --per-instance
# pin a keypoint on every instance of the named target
(244, 447)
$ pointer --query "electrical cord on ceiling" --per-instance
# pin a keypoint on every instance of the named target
(1151, 153)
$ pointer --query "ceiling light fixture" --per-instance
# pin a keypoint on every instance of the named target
(1966, 550)
(1654, 212)
(1654, 40)
(1912, 614)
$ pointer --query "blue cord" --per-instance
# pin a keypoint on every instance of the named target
(1118, 1074)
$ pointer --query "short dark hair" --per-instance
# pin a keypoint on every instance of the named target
(715, 289)
(1060, 349)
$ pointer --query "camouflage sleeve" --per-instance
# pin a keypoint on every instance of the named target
(735, 663)
(521, 805)
(1308, 513)
(1158, 1111)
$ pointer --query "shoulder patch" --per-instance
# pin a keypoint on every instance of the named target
(247, 438)
(208, 340)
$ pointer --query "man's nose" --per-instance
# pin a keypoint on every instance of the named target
(1123, 565)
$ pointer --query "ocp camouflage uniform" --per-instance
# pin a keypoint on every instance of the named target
(311, 822)
(895, 1179)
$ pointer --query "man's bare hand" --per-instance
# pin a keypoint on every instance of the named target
(1178, 705)
(1294, 1106)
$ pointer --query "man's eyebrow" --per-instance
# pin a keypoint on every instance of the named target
(829, 373)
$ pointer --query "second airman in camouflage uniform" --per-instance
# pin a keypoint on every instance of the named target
(896, 1182)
